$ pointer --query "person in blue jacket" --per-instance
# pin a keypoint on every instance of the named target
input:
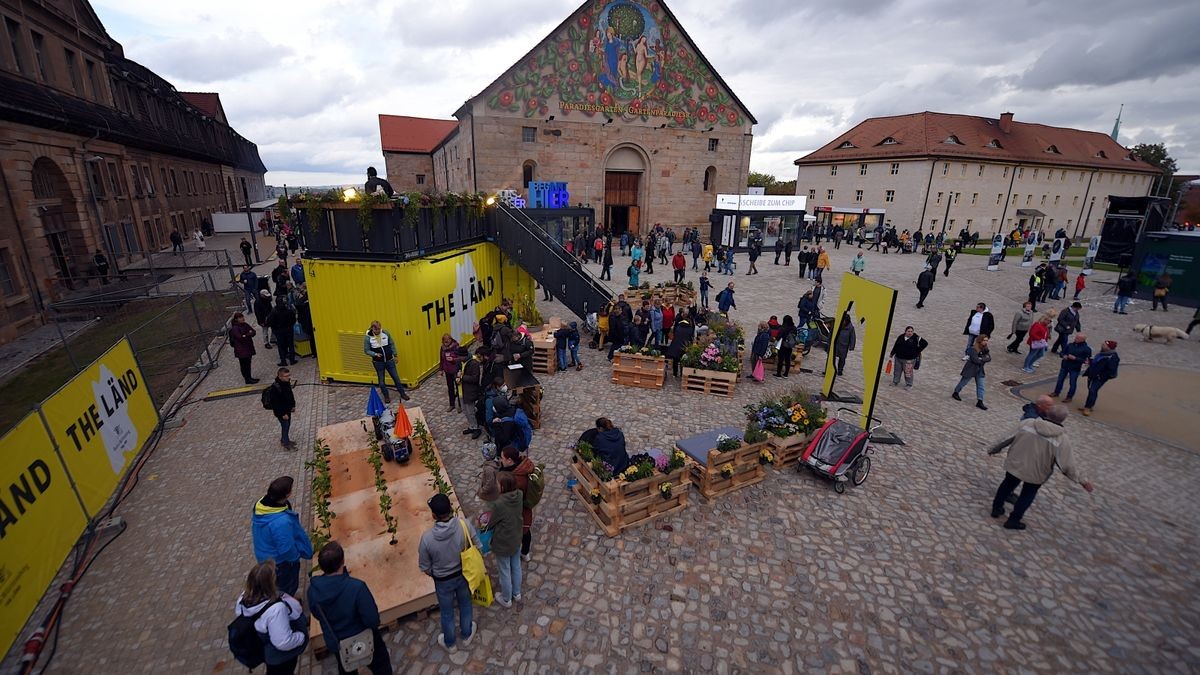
(609, 445)
(298, 273)
(725, 299)
(279, 536)
(345, 607)
(1074, 357)
(1102, 369)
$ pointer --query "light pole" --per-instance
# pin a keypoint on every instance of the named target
(250, 223)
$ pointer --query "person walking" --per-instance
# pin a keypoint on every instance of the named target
(262, 310)
(707, 255)
(907, 352)
(521, 467)
(1035, 289)
(1039, 445)
(725, 299)
(345, 607)
(980, 322)
(679, 264)
(728, 262)
(448, 364)
(802, 261)
(1080, 284)
(838, 234)
(278, 536)
(978, 356)
(101, 262)
(176, 242)
(297, 272)
(755, 252)
(624, 244)
(249, 283)
(705, 285)
(1021, 322)
(758, 348)
(778, 249)
(697, 249)
(858, 264)
(379, 345)
(1074, 357)
(681, 337)
(506, 538)
(1162, 286)
(822, 264)
(606, 261)
(787, 343)
(933, 260)
(1068, 323)
(472, 380)
(247, 249)
(439, 555)
(199, 237)
(950, 257)
(924, 285)
(283, 404)
(843, 343)
(241, 338)
(1038, 341)
(278, 619)
(282, 321)
(1102, 369)
(1125, 288)
(787, 252)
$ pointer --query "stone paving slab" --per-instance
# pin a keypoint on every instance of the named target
(906, 573)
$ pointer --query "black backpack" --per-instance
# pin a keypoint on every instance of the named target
(268, 396)
(244, 640)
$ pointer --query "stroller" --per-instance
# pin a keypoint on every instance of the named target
(839, 451)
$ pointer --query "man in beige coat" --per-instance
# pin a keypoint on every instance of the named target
(1037, 447)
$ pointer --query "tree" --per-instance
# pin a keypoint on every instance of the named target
(1156, 155)
(783, 188)
(762, 180)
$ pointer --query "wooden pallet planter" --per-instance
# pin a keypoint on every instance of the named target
(545, 361)
(788, 449)
(797, 360)
(624, 505)
(636, 370)
(715, 382)
(747, 470)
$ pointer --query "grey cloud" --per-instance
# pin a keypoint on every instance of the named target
(433, 24)
(211, 58)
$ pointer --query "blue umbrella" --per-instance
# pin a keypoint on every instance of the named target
(375, 406)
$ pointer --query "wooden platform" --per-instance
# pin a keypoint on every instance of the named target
(623, 505)
(545, 361)
(634, 370)
(714, 382)
(713, 483)
(390, 571)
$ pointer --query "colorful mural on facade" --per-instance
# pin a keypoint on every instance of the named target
(623, 59)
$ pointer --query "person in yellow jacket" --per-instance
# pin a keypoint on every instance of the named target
(822, 263)
(708, 257)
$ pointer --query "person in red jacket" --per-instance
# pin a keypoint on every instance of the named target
(679, 264)
(521, 467)
(1080, 283)
(241, 337)
(1038, 341)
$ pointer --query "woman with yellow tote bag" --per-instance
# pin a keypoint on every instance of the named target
(475, 571)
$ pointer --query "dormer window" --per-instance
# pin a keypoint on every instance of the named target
(994, 144)
(952, 140)
(1101, 155)
(889, 141)
(1053, 149)
(846, 145)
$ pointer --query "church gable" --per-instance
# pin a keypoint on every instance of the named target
(620, 59)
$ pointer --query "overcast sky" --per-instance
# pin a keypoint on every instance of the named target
(305, 79)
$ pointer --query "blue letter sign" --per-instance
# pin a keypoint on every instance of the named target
(547, 195)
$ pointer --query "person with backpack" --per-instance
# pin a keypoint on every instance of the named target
(495, 404)
(608, 442)
(522, 469)
(281, 400)
(470, 381)
(345, 607)
(277, 535)
(439, 555)
(725, 299)
(787, 342)
(270, 626)
(506, 525)
(511, 425)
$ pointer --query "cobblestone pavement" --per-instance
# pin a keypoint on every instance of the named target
(906, 573)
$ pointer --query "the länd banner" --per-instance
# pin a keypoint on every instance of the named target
(100, 420)
(40, 519)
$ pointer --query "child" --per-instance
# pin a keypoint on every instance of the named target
(704, 286)
(573, 345)
(561, 336)
(1079, 285)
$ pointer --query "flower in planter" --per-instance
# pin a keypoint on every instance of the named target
(726, 443)
(727, 470)
(765, 456)
(596, 498)
(664, 489)
(678, 459)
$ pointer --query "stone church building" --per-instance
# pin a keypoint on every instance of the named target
(618, 102)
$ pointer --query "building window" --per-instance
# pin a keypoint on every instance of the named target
(14, 39)
(1069, 221)
(8, 285)
(829, 195)
(833, 170)
(889, 196)
(962, 170)
(1080, 176)
(858, 195)
(712, 144)
(956, 196)
(1043, 200)
(1075, 200)
(939, 198)
(969, 221)
(933, 223)
(994, 220)
(1050, 224)
(1005, 173)
(39, 56)
(999, 198)
(974, 198)
(812, 193)
(895, 168)
(1056, 198)
(1035, 173)
(528, 134)
(862, 169)
(420, 179)
(166, 186)
(1020, 172)
(73, 71)
(1015, 198)
(710, 179)
(174, 183)
(96, 179)
(1028, 200)
(136, 181)
(981, 170)
(1122, 179)
(45, 179)
(1050, 174)
(950, 224)
(945, 168)
(527, 173)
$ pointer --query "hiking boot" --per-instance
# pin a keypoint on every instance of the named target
(404, 396)
(1087, 412)
(955, 396)
(980, 405)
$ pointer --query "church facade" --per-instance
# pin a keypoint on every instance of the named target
(617, 102)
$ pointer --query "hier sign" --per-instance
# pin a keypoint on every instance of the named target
(546, 195)
(762, 202)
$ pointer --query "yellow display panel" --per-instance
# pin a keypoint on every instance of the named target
(100, 420)
(40, 520)
(416, 302)
(870, 305)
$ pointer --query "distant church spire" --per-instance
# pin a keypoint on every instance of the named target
(1117, 124)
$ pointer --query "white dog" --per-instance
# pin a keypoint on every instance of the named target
(1168, 333)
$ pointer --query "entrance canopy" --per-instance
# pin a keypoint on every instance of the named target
(1030, 213)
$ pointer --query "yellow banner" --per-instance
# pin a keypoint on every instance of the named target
(100, 420)
(868, 306)
(40, 520)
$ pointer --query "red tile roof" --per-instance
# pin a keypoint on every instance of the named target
(925, 134)
(399, 133)
(206, 102)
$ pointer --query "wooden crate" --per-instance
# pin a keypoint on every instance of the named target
(797, 360)
(545, 361)
(789, 449)
(635, 370)
(713, 382)
(747, 470)
(624, 505)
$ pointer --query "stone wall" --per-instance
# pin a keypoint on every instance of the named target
(403, 169)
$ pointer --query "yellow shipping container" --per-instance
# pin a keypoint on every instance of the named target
(416, 301)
